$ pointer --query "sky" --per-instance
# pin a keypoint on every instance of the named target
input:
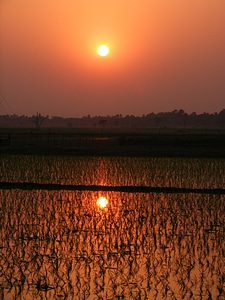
(163, 55)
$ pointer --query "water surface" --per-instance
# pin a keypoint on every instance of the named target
(62, 245)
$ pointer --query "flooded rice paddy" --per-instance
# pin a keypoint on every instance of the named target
(81, 244)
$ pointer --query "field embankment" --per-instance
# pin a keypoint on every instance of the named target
(173, 143)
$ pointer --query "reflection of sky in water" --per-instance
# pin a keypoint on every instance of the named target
(189, 173)
(60, 245)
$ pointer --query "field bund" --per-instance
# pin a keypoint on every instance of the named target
(155, 143)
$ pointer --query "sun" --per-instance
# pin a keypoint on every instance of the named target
(102, 202)
(103, 50)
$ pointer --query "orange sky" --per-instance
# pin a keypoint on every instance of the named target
(164, 55)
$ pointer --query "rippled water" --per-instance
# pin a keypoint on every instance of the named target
(62, 245)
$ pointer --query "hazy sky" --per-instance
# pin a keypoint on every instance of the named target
(164, 55)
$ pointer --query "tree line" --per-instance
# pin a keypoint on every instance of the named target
(164, 120)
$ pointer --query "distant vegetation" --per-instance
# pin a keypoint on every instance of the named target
(164, 120)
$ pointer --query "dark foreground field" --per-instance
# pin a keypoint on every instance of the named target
(173, 143)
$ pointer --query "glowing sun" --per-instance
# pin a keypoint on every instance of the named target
(103, 50)
(102, 202)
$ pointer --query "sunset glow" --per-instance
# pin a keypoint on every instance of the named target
(103, 50)
(103, 58)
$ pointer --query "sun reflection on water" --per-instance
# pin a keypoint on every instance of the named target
(111, 245)
(102, 202)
